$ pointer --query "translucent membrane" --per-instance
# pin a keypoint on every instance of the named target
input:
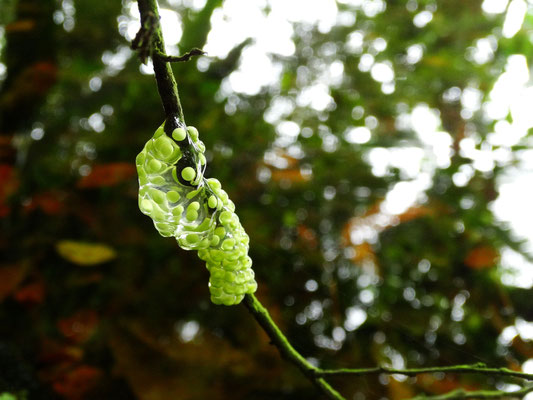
(196, 211)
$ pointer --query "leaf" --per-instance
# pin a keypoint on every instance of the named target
(415, 212)
(8, 396)
(290, 175)
(53, 352)
(50, 202)
(79, 327)
(84, 253)
(75, 383)
(523, 347)
(399, 390)
(9, 183)
(105, 175)
(482, 257)
(308, 235)
(363, 251)
(31, 294)
(10, 278)
(21, 25)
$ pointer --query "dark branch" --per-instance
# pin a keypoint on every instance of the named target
(151, 37)
(144, 37)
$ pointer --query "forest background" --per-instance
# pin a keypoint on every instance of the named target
(379, 154)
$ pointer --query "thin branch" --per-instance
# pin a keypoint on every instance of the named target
(144, 38)
(478, 368)
(286, 350)
(185, 57)
(460, 394)
(153, 37)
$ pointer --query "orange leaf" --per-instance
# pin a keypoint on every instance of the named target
(50, 202)
(75, 383)
(438, 386)
(291, 175)
(522, 347)
(481, 257)
(414, 212)
(9, 184)
(43, 75)
(31, 294)
(105, 175)
(80, 326)
(22, 25)
(399, 390)
(53, 352)
(308, 235)
(363, 251)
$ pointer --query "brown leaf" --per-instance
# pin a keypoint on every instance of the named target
(10, 278)
(482, 257)
(415, 212)
(522, 347)
(307, 235)
(22, 25)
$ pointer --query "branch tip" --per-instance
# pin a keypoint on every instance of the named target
(185, 57)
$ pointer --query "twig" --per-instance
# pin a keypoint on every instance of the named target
(144, 37)
(166, 83)
(460, 394)
(288, 352)
(185, 57)
(478, 368)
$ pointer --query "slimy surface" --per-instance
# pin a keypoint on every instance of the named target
(194, 210)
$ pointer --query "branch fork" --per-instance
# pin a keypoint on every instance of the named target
(144, 43)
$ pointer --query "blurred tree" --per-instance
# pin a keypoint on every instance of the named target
(316, 163)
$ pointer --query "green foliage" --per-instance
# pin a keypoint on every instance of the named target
(9, 396)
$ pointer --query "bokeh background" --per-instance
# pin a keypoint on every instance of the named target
(379, 154)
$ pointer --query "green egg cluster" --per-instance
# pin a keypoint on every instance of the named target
(194, 210)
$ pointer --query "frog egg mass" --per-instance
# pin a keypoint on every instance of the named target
(195, 210)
